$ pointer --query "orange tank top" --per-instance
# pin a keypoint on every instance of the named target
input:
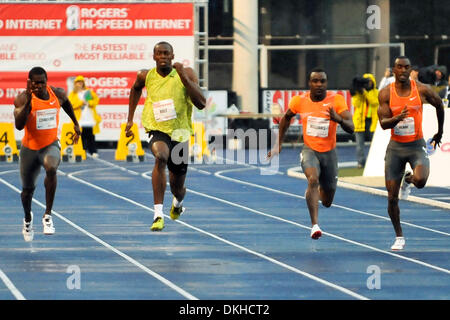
(410, 128)
(41, 128)
(319, 132)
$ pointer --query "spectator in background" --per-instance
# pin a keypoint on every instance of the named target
(365, 103)
(414, 75)
(84, 102)
(440, 75)
(387, 79)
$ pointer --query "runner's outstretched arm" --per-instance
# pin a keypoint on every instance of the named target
(68, 109)
(284, 125)
(433, 99)
(135, 95)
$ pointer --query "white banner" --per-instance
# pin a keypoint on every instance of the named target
(439, 158)
(89, 53)
(107, 43)
(216, 103)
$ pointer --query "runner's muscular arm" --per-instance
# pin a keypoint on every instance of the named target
(387, 121)
(22, 107)
(135, 95)
(344, 119)
(190, 81)
(432, 98)
(284, 125)
(67, 107)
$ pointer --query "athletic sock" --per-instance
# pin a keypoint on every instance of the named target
(158, 211)
(177, 203)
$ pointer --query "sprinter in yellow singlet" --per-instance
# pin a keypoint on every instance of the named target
(172, 89)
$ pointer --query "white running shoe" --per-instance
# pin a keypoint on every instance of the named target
(48, 224)
(405, 187)
(399, 244)
(316, 233)
(27, 230)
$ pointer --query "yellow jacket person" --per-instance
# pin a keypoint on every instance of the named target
(84, 102)
(365, 105)
(82, 96)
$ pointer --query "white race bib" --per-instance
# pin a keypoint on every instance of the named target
(164, 110)
(317, 127)
(405, 127)
(46, 119)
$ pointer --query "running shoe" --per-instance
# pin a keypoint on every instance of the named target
(316, 233)
(399, 244)
(405, 187)
(47, 221)
(175, 213)
(27, 230)
(158, 224)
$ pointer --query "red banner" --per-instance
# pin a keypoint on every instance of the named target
(113, 88)
(131, 19)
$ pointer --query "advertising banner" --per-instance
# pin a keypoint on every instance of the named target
(107, 43)
(439, 157)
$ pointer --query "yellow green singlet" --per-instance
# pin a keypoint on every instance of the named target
(169, 87)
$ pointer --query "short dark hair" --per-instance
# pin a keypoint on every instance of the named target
(402, 57)
(36, 71)
(415, 67)
(316, 69)
(165, 43)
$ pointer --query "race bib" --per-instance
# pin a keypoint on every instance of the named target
(317, 127)
(46, 119)
(164, 110)
(405, 127)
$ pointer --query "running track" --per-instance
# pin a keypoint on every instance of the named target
(244, 236)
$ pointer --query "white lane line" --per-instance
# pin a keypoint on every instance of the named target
(9, 171)
(145, 175)
(110, 247)
(286, 266)
(201, 171)
(115, 166)
(293, 172)
(220, 175)
(16, 293)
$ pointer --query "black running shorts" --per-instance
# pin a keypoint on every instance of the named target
(179, 151)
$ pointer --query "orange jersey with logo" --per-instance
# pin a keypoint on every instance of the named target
(41, 128)
(410, 128)
(319, 131)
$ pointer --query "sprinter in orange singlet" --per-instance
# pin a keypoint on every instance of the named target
(37, 111)
(320, 112)
(401, 106)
